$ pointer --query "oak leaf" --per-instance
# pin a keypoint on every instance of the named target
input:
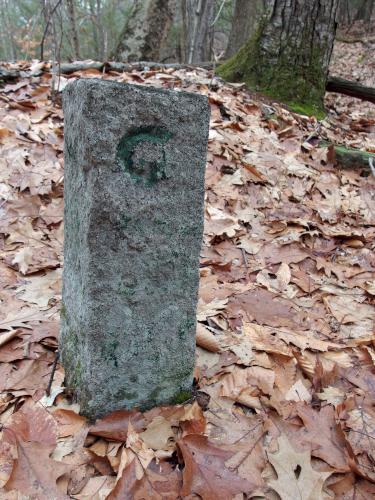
(295, 476)
(205, 472)
(31, 437)
(321, 433)
(34, 473)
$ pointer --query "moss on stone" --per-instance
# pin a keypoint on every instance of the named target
(182, 397)
(63, 311)
(126, 148)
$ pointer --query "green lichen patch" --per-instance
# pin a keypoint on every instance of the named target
(148, 168)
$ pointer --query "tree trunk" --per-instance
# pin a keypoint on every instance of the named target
(197, 32)
(245, 15)
(288, 56)
(145, 31)
(94, 22)
(73, 28)
(99, 23)
(364, 12)
(9, 30)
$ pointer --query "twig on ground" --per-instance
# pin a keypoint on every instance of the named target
(57, 356)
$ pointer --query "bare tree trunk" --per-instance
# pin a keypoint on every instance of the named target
(95, 34)
(100, 29)
(364, 12)
(197, 32)
(288, 56)
(344, 13)
(245, 16)
(145, 31)
(7, 27)
(73, 28)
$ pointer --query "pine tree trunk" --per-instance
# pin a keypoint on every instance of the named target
(145, 31)
(288, 56)
(197, 33)
(245, 16)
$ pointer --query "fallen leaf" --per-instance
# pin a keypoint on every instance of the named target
(158, 435)
(206, 339)
(115, 425)
(205, 473)
(159, 482)
(295, 476)
(321, 433)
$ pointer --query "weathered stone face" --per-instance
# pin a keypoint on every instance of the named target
(134, 189)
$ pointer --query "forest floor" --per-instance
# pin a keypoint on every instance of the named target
(285, 356)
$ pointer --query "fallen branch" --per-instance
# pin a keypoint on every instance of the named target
(6, 74)
(351, 158)
(69, 68)
(334, 84)
(348, 87)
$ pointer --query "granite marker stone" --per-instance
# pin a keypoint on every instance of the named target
(134, 189)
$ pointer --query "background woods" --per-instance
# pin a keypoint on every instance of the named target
(128, 30)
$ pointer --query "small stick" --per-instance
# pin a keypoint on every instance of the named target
(48, 391)
(244, 258)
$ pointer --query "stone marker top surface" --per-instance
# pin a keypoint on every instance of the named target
(134, 190)
(124, 106)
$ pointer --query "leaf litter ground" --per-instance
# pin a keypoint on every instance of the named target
(284, 404)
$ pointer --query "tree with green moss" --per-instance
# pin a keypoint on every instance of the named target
(288, 56)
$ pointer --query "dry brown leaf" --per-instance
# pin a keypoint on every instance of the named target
(332, 395)
(115, 425)
(68, 421)
(34, 473)
(211, 309)
(158, 482)
(31, 434)
(322, 434)
(6, 337)
(23, 258)
(158, 435)
(144, 454)
(298, 392)
(205, 473)
(206, 339)
(295, 476)
(96, 488)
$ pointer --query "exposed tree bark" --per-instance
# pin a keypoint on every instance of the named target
(95, 33)
(7, 28)
(73, 28)
(100, 29)
(348, 87)
(288, 56)
(49, 11)
(245, 16)
(197, 30)
(145, 30)
(365, 11)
